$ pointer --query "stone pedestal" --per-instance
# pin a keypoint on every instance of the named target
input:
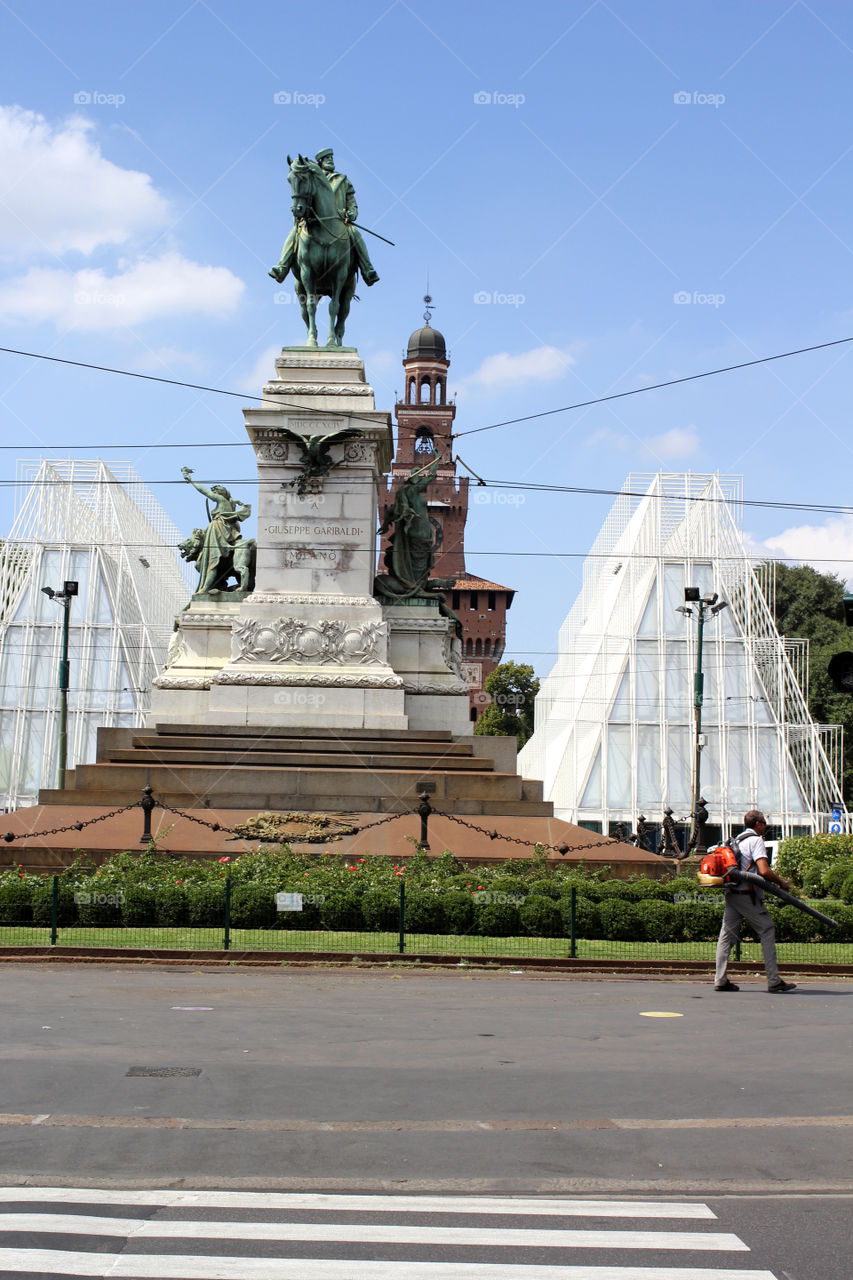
(200, 648)
(309, 646)
(425, 652)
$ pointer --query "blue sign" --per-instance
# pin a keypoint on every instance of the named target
(835, 820)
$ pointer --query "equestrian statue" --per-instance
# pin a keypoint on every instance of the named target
(324, 250)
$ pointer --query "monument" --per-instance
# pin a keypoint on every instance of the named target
(300, 679)
(298, 629)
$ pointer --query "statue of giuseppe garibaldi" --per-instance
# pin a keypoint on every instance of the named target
(348, 212)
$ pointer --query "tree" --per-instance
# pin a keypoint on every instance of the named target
(810, 605)
(513, 689)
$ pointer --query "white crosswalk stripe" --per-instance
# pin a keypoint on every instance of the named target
(217, 1238)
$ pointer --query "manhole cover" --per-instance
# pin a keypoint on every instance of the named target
(161, 1072)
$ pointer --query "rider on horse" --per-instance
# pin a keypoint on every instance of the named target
(348, 211)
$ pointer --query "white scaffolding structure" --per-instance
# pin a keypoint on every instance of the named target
(615, 732)
(97, 524)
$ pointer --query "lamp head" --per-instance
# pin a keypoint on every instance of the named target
(720, 606)
(710, 598)
(692, 594)
(49, 591)
(682, 608)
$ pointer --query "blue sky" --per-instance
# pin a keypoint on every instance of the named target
(578, 166)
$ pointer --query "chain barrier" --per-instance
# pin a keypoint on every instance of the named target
(562, 849)
(9, 836)
(148, 803)
(391, 817)
(218, 826)
(190, 817)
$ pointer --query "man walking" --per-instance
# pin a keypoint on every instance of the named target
(746, 902)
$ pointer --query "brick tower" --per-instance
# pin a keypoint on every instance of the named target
(424, 423)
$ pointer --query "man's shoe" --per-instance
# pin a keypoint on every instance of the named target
(781, 987)
(370, 278)
(727, 986)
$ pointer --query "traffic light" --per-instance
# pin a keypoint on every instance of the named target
(841, 672)
(841, 664)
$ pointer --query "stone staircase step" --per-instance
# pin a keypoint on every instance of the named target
(283, 731)
(421, 765)
(294, 787)
(277, 742)
(261, 802)
(211, 768)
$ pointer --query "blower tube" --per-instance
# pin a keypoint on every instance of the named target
(735, 876)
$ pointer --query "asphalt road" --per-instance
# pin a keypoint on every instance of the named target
(463, 1081)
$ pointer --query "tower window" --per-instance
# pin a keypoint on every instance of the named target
(455, 601)
(426, 391)
(424, 440)
(473, 714)
(474, 602)
(492, 601)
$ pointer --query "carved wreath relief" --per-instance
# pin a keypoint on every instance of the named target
(289, 640)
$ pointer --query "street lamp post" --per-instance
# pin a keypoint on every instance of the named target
(712, 604)
(63, 597)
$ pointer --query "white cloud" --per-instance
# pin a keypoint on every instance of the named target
(605, 438)
(383, 362)
(263, 370)
(59, 193)
(169, 361)
(816, 544)
(149, 289)
(679, 442)
(504, 370)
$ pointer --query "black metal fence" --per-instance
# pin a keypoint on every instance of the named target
(229, 917)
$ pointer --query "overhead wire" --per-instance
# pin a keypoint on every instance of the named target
(356, 417)
(517, 486)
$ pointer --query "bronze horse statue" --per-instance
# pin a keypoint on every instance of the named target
(324, 265)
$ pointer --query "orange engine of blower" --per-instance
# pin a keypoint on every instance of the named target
(716, 866)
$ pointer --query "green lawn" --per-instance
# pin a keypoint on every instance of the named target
(525, 947)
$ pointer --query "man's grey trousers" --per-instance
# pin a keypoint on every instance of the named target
(739, 906)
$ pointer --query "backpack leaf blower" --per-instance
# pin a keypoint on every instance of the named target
(720, 867)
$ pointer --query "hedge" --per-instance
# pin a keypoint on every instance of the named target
(510, 899)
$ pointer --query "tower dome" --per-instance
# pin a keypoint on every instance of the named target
(427, 343)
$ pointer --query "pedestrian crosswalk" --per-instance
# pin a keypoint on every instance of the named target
(61, 1232)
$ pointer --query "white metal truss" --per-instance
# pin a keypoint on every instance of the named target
(97, 524)
(614, 720)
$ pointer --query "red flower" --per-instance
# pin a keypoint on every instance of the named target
(225, 859)
(361, 859)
